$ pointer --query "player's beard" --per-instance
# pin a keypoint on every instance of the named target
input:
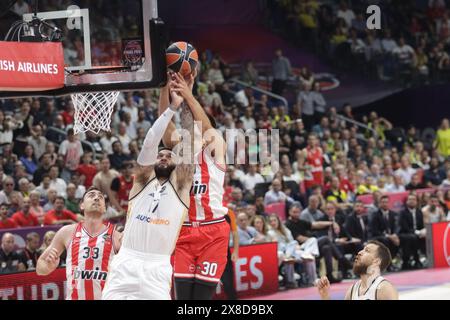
(359, 268)
(164, 172)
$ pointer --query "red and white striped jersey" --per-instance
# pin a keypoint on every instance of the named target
(87, 263)
(206, 202)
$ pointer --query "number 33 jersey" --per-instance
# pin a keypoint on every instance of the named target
(87, 263)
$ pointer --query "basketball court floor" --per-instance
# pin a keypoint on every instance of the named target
(429, 284)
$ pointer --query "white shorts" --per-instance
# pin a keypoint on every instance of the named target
(138, 276)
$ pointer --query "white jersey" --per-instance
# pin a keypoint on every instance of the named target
(371, 292)
(206, 196)
(155, 217)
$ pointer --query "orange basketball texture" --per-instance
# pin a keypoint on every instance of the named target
(181, 57)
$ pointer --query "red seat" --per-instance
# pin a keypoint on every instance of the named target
(278, 208)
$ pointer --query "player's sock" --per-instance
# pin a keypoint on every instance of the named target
(184, 289)
(204, 291)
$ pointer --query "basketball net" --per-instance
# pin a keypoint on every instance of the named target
(93, 111)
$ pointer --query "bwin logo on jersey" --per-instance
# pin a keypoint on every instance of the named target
(90, 274)
(199, 188)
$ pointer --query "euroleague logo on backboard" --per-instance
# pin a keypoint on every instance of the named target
(447, 244)
(133, 52)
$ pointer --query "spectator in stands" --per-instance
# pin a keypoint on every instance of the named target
(434, 176)
(5, 222)
(442, 142)
(80, 189)
(42, 169)
(35, 206)
(214, 73)
(51, 197)
(306, 100)
(312, 213)
(237, 198)
(260, 225)
(51, 150)
(10, 261)
(118, 156)
(121, 187)
(433, 212)
(411, 232)
(275, 195)
(346, 14)
(8, 188)
(281, 70)
(72, 150)
(72, 203)
(248, 119)
(57, 183)
(48, 238)
(396, 186)
(357, 223)
(60, 215)
(247, 234)
(142, 122)
(252, 178)
(25, 187)
(107, 140)
(302, 231)
(405, 170)
(25, 218)
(288, 248)
(123, 136)
(415, 183)
(243, 97)
(336, 194)
(28, 160)
(103, 179)
(130, 107)
(29, 254)
(250, 73)
(86, 169)
(383, 226)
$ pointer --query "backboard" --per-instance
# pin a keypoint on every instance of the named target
(109, 45)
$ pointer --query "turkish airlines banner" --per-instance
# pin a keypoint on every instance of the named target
(439, 244)
(31, 66)
(255, 271)
(30, 286)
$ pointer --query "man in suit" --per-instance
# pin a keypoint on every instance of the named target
(339, 235)
(356, 223)
(412, 232)
(383, 226)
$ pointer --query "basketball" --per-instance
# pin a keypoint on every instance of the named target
(181, 57)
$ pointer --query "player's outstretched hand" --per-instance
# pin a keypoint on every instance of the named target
(323, 285)
(181, 86)
(52, 258)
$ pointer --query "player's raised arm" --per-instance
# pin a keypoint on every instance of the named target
(147, 157)
(49, 260)
(213, 138)
(164, 102)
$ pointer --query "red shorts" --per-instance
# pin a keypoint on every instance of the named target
(201, 251)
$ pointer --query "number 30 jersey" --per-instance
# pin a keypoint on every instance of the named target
(87, 263)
